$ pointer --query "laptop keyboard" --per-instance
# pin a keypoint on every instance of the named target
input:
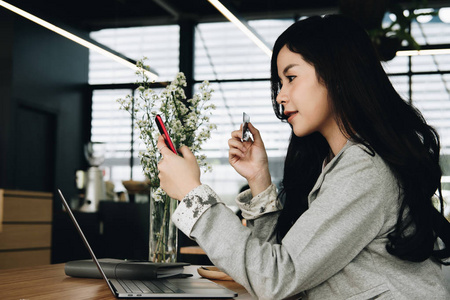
(148, 287)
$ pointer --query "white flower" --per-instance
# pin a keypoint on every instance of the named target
(187, 120)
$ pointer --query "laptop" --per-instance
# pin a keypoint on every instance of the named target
(157, 288)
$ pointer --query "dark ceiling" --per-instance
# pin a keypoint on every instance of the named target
(97, 14)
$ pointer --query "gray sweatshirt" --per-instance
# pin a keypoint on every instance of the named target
(335, 250)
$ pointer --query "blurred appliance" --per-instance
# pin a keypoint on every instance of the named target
(94, 183)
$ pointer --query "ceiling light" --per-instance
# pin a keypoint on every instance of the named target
(423, 52)
(444, 14)
(242, 26)
(126, 62)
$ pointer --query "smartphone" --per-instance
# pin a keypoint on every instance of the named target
(164, 133)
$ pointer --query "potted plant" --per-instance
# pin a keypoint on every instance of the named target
(388, 39)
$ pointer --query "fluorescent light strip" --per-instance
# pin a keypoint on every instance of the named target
(243, 27)
(423, 52)
(76, 39)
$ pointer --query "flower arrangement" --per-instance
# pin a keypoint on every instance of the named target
(187, 120)
(188, 123)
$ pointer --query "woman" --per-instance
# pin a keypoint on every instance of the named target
(361, 169)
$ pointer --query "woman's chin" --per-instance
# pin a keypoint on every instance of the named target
(300, 132)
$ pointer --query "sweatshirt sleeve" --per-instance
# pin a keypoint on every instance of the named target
(347, 214)
(263, 203)
(200, 199)
(192, 207)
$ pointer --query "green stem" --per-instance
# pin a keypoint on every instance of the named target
(160, 249)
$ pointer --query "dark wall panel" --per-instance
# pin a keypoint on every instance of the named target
(34, 159)
(50, 73)
(6, 54)
(45, 109)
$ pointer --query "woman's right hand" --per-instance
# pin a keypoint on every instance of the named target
(249, 159)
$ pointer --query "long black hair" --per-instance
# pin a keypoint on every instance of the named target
(368, 111)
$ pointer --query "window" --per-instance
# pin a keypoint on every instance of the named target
(159, 43)
(228, 56)
(109, 124)
(239, 74)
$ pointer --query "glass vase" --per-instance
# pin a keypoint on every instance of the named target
(163, 240)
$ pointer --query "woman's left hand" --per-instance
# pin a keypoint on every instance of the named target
(178, 175)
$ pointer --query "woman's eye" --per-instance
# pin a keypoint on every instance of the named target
(290, 78)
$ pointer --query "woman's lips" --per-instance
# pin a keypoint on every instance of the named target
(290, 115)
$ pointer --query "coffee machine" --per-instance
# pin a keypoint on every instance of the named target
(95, 189)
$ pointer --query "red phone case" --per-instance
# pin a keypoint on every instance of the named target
(164, 133)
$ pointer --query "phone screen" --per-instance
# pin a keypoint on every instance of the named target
(164, 133)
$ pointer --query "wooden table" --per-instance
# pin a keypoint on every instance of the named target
(196, 250)
(49, 282)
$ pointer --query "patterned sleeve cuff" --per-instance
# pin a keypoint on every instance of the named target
(263, 203)
(193, 205)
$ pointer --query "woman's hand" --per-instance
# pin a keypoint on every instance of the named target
(178, 175)
(249, 159)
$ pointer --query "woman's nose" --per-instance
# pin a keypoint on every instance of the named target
(281, 97)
